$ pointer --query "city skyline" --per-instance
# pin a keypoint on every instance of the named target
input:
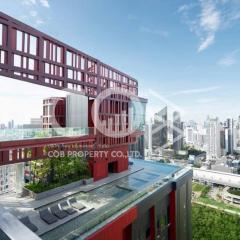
(204, 82)
(32, 97)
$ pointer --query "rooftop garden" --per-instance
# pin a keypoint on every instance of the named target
(55, 172)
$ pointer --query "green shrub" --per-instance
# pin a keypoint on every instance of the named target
(55, 172)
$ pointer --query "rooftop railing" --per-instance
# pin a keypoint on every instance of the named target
(35, 133)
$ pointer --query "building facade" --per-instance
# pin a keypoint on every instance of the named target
(160, 128)
(145, 201)
(54, 113)
(177, 132)
(213, 138)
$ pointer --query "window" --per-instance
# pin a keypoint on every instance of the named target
(45, 49)
(24, 62)
(59, 54)
(26, 42)
(47, 68)
(69, 58)
(82, 63)
(1, 34)
(19, 40)
(54, 52)
(30, 64)
(17, 60)
(2, 56)
(33, 45)
(70, 73)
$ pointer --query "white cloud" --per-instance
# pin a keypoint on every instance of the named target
(209, 40)
(28, 2)
(39, 22)
(209, 23)
(161, 33)
(207, 17)
(33, 13)
(44, 3)
(229, 59)
(195, 90)
(210, 18)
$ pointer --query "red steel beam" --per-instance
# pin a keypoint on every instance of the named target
(54, 63)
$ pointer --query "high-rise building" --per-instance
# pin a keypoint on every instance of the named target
(177, 132)
(213, 138)
(160, 128)
(237, 136)
(11, 124)
(229, 135)
(222, 140)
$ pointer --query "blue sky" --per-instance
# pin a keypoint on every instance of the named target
(187, 52)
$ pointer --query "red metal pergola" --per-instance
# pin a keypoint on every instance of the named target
(29, 55)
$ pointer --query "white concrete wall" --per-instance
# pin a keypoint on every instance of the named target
(77, 111)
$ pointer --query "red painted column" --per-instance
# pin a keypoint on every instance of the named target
(152, 223)
(172, 230)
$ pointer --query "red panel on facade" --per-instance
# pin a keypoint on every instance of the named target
(116, 229)
(152, 223)
(117, 154)
(172, 229)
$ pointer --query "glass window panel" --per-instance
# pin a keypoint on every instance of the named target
(70, 74)
(25, 42)
(47, 68)
(52, 69)
(1, 33)
(50, 50)
(45, 49)
(30, 64)
(60, 71)
(54, 52)
(17, 60)
(33, 45)
(24, 62)
(58, 54)
(77, 59)
(82, 63)
(2, 57)
(19, 40)
(74, 57)
(79, 76)
(69, 58)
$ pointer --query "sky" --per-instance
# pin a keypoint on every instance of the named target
(183, 53)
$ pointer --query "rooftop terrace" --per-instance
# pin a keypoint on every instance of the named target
(103, 200)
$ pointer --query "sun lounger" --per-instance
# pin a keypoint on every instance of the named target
(26, 221)
(76, 204)
(58, 212)
(46, 216)
(65, 206)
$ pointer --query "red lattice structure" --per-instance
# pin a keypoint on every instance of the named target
(29, 55)
(32, 56)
